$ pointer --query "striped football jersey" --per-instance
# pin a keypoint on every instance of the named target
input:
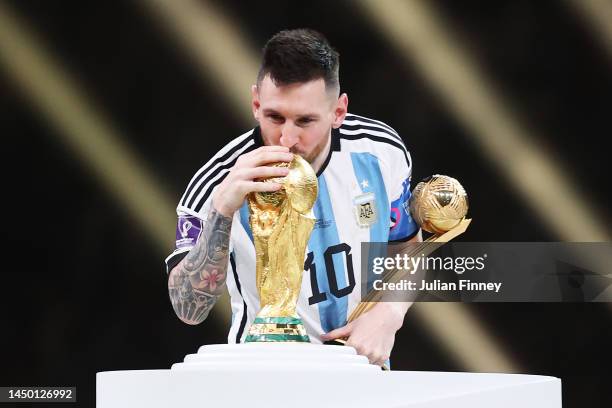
(364, 187)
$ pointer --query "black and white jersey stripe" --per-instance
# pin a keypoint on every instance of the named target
(357, 127)
(243, 318)
(214, 171)
(353, 120)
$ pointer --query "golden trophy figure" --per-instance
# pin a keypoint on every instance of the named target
(281, 223)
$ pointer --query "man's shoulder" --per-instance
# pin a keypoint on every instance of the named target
(229, 153)
(353, 121)
(359, 133)
(215, 169)
(237, 146)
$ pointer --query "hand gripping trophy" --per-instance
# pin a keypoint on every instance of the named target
(281, 223)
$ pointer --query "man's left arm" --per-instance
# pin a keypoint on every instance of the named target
(373, 333)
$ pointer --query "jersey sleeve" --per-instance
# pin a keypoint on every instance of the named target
(196, 202)
(402, 225)
(188, 231)
(189, 226)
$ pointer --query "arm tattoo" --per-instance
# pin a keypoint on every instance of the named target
(198, 280)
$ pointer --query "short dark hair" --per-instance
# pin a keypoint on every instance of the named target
(300, 55)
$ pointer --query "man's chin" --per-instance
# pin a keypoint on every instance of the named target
(306, 157)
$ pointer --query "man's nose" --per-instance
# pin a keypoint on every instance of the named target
(289, 135)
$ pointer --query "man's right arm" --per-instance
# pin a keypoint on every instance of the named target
(198, 280)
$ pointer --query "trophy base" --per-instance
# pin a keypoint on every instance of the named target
(277, 329)
(231, 374)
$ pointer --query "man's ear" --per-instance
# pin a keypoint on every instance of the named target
(340, 111)
(255, 102)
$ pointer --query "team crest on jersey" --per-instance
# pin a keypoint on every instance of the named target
(365, 209)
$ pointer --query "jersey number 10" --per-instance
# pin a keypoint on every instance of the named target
(309, 265)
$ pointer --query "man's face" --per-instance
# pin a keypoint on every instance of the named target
(299, 116)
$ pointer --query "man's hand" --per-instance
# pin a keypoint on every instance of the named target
(240, 181)
(373, 333)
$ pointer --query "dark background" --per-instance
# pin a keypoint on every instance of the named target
(84, 287)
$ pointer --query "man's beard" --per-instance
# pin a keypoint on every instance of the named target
(314, 154)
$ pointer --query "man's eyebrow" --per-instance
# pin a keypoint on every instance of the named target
(269, 111)
(309, 116)
(314, 116)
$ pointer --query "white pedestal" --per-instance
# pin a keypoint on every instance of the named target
(307, 375)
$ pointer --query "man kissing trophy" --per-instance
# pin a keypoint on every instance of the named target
(279, 367)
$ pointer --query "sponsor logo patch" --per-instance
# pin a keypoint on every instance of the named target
(188, 231)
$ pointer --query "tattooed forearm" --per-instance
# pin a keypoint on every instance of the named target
(198, 280)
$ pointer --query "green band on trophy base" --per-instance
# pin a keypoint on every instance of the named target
(277, 320)
(277, 329)
(252, 338)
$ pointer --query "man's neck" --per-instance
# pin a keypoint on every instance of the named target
(320, 159)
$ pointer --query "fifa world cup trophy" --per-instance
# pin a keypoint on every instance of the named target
(281, 223)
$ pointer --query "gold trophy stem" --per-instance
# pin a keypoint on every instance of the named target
(371, 299)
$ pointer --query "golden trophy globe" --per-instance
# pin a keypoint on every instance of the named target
(439, 205)
(281, 223)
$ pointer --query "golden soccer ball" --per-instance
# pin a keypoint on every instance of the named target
(438, 204)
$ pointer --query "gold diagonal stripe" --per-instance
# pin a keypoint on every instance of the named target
(91, 137)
